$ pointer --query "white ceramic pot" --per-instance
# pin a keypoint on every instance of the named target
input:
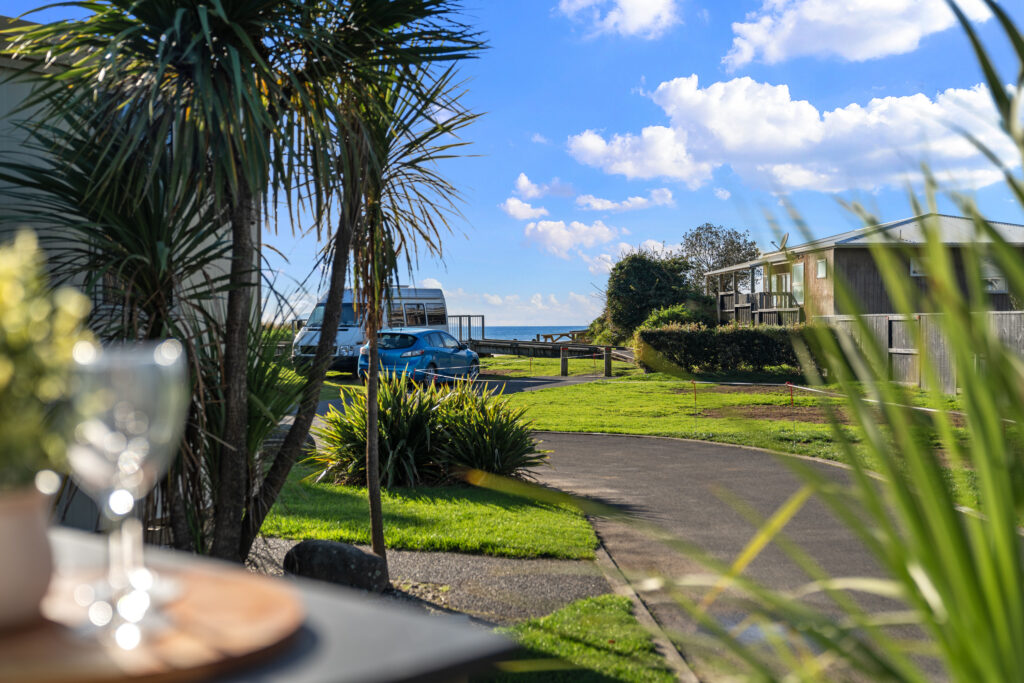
(26, 562)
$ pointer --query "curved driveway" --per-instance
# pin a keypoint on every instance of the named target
(691, 488)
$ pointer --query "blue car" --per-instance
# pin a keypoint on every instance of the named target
(422, 353)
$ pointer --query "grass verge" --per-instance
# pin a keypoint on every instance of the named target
(596, 639)
(329, 390)
(458, 519)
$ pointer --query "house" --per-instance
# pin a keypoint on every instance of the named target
(797, 283)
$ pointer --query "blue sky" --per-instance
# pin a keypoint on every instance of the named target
(615, 123)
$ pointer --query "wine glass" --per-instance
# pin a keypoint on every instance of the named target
(129, 404)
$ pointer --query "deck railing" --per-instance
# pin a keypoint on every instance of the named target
(467, 327)
(772, 300)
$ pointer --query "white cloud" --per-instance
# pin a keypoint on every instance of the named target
(551, 308)
(658, 152)
(521, 210)
(559, 238)
(722, 193)
(660, 247)
(600, 264)
(431, 283)
(528, 189)
(641, 18)
(780, 143)
(659, 197)
(539, 139)
(854, 30)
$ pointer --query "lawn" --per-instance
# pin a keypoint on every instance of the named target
(454, 518)
(331, 388)
(658, 405)
(596, 639)
(496, 367)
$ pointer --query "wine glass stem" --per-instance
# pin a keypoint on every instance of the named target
(131, 537)
(117, 574)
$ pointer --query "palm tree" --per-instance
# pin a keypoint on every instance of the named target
(240, 95)
(405, 205)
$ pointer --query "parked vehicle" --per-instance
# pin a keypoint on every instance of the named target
(406, 306)
(424, 354)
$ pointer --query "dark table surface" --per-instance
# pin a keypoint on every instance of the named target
(348, 635)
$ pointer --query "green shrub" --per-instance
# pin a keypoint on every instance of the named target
(407, 430)
(483, 432)
(427, 433)
(696, 309)
(696, 347)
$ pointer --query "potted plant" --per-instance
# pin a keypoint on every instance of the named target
(38, 329)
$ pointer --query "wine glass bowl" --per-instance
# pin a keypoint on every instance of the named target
(128, 404)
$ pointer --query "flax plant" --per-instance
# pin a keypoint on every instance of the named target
(239, 100)
(404, 206)
(940, 512)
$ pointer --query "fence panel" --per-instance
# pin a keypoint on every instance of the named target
(895, 334)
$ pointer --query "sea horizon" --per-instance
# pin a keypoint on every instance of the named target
(527, 332)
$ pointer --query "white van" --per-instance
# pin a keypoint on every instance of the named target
(406, 307)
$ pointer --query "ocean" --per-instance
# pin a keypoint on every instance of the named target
(527, 332)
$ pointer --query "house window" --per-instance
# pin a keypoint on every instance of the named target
(798, 283)
(822, 267)
(918, 266)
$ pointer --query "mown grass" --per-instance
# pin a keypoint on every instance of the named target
(659, 405)
(521, 366)
(595, 639)
(331, 388)
(453, 518)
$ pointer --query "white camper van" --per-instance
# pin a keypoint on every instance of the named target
(406, 307)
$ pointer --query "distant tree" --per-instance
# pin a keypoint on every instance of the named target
(644, 281)
(709, 247)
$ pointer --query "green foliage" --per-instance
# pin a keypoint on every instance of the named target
(600, 331)
(641, 282)
(726, 348)
(696, 309)
(462, 519)
(427, 433)
(481, 432)
(710, 247)
(596, 639)
(38, 329)
(407, 436)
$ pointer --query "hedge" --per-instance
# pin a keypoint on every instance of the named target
(726, 348)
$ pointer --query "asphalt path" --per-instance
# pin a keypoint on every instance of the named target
(702, 493)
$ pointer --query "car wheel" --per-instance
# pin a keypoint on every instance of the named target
(432, 373)
(474, 369)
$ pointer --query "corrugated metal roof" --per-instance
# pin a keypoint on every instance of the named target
(952, 229)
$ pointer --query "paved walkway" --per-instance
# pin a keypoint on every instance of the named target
(685, 487)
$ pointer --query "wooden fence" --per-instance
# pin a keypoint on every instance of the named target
(895, 333)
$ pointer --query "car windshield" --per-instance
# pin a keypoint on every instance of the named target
(316, 318)
(394, 340)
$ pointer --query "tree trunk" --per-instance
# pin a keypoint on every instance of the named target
(232, 472)
(372, 435)
(260, 504)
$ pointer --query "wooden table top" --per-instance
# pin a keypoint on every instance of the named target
(229, 624)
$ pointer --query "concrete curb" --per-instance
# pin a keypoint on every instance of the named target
(662, 643)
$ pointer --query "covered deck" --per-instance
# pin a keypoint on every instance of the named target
(755, 293)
